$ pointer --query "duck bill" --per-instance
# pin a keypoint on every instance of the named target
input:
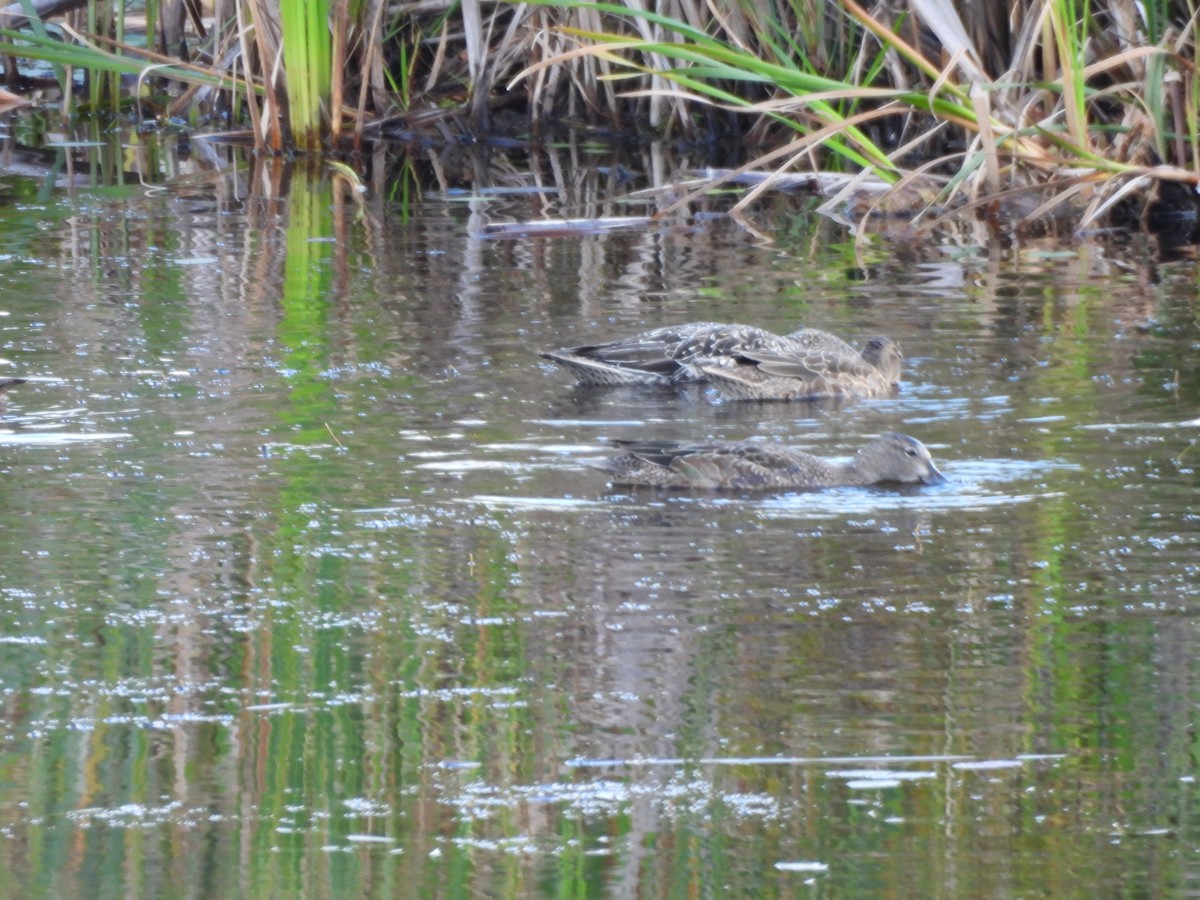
(934, 477)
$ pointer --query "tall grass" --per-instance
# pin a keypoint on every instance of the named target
(1076, 114)
(1083, 104)
(308, 52)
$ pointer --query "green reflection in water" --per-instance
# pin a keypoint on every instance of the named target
(305, 305)
(245, 682)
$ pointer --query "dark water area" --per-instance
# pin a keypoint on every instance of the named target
(306, 588)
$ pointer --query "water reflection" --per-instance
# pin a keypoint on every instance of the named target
(305, 588)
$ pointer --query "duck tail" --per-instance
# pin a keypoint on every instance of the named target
(599, 373)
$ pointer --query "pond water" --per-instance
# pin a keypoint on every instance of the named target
(306, 588)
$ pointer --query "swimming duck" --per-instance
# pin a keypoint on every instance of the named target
(752, 465)
(821, 371)
(747, 362)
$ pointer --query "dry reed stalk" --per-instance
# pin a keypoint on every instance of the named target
(476, 52)
(439, 57)
(340, 19)
(372, 67)
(556, 68)
(659, 110)
(507, 51)
(593, 76)
(258, 51)
(545, 83)
(735, 23)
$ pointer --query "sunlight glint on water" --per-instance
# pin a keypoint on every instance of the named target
(306, 587)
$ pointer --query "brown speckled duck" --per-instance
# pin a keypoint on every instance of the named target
(823, 370)
(806, 363)
(742, 466)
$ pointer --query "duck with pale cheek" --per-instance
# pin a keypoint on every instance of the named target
(750, 465)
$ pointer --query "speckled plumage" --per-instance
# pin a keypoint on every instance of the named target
(755, 466)
(827, 368)
(746, 362)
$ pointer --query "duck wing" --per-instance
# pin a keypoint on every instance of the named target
(726, 465)
(649, 346)
(810, 364)
(646, 357)
(729, 341)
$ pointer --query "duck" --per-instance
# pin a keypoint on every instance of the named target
(743, 361)
(753, 465)
(822, 371)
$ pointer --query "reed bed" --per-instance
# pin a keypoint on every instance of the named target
(1025, 110)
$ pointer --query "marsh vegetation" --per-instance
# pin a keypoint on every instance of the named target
(1063, 113)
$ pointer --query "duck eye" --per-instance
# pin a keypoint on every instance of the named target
(911, 452)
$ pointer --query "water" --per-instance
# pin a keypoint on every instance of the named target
(305, 588)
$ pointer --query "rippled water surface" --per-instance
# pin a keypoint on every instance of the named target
(306, 587)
